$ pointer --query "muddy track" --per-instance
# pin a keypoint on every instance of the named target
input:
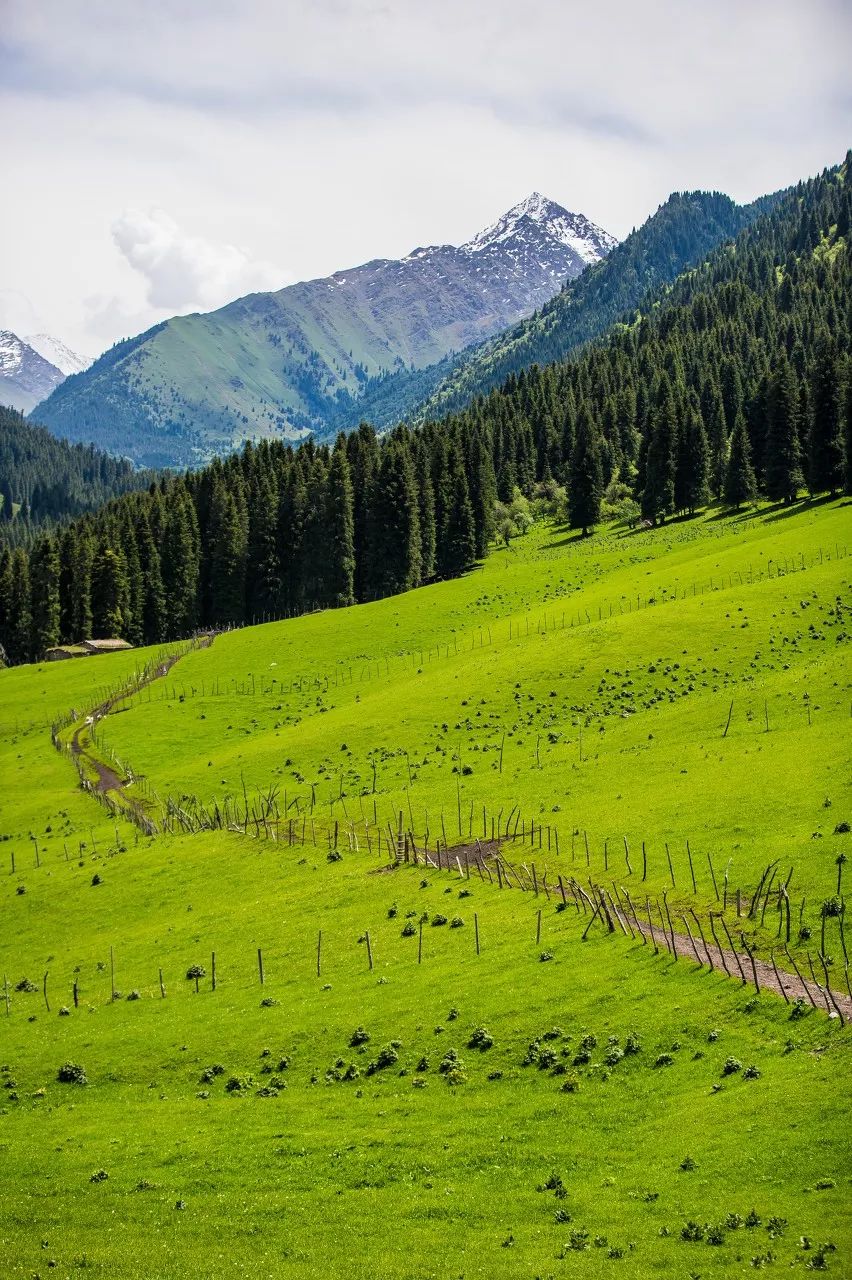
(107, 780)
(702, 954)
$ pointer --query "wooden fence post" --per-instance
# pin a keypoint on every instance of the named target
(369, 950)
(260, 964)
(475, 932)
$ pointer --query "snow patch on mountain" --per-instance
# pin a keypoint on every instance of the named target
(55, 352)
(539, 214)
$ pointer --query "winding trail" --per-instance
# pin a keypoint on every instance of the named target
(108, 782)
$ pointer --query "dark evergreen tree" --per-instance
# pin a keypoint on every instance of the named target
(395, 560)
(694, 463)
(44, 586)
(110, 594)
(783, 453)
(658, 496)
(341, 531)
(457, 541)
(740, 484)
(826, 462)
(585, 475)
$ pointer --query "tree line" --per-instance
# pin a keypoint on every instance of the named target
(734, 382)
(44, 480)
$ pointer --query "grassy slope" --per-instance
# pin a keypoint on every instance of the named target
(374, 1177)
(661, 772)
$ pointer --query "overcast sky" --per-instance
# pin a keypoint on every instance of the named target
(167, 156)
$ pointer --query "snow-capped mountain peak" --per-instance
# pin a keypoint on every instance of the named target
(57, 353)
(544, 218)
(25, 376)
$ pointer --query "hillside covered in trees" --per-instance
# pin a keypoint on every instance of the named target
(44, 480)
(734, 381)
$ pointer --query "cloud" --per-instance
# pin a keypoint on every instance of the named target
(316, 134)
(181, 270)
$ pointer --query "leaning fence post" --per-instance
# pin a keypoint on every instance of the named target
(260, 964)
(369, 950)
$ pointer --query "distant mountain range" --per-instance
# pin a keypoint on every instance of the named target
(30, 368)
(304, 358)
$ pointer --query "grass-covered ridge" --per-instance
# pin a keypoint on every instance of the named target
(549, 1106)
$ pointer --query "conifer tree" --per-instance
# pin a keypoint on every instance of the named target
(826, 463)
(110, 594)
(658, 495)
(44, 586)
(341, 531)
(263, 566)
(457, 542)
(180, 565)
(18, 608)
(694, 462)
(394, 554)
(227, 551)
(740, 484)
(154, 596)
(783, 453)
(585, 476)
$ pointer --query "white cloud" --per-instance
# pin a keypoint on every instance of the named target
(184, 271)
(317, 134)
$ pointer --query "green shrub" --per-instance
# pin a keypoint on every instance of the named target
(71, 1073)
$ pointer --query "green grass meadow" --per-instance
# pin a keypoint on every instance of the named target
(584, 685)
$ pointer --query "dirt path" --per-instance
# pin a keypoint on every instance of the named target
(107, 780)
(703, 953)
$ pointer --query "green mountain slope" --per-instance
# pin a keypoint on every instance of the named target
(280, 364)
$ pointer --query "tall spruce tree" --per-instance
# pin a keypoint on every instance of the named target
(110, 594)
(826, 462)
(740, 484)
(44, 586)
(341, 531)
(585, 475)
(783, 453)
(227, 551)
(179, 564)
(19, 625)
(694, 462)
(394, 548)
(658, 495)
(457, 541)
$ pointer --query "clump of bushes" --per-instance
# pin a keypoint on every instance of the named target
(731, 1067)
(71, 1073)
(26, 986)
(359, 1036)
(481, 1039)
(208, 1076)
(239, 1084)
(387, 1056)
